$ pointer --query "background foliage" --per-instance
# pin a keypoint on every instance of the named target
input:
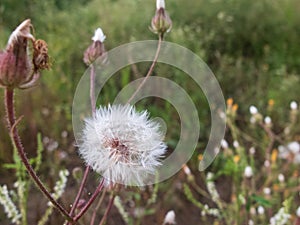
(251, 46)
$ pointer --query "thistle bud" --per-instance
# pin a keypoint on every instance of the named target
(18, 69)
(161, 22)
(96, 49)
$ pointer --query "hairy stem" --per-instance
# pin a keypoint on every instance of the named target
(150, 70)
(10, 113)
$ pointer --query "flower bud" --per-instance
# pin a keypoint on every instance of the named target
(161, 22)
(96, 49)
(18, 67)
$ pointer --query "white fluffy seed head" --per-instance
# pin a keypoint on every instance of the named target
(121, 144)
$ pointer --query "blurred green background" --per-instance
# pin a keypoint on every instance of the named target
(252, 47)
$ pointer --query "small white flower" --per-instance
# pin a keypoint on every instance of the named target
(294, 147)
(298, 211)
(261, 210)
(99, 35)
(267, 163)
(250, 222)
(267, 191)
(248, 172)
(253, 110)
(124, 145)
(160, 4)
(186, 170)
(293, 105)
(268, 120)
(297, 159)
(236, 144)
(224, 144)
(281, 177)
(252, 150)
(170, 218)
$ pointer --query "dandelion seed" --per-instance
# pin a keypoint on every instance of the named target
(123, 145)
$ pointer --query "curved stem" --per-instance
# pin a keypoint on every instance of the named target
(87, 169)
(111, 201)
(90, 202)
(9, 94)
(150, 70)
(83, 182)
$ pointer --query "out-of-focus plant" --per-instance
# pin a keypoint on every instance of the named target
(261, 169)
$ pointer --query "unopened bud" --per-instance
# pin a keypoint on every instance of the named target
(161, 22)
(96, 49)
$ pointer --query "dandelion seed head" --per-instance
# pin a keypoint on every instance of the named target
(123, 145)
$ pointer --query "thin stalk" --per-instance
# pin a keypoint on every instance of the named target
(97, 207)
(10, 113)
(90, 202)
(111, 201)
(87, 169)
(150, 70)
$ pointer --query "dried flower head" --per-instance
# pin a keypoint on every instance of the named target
(122, 144)
(18, 66)
(96, 49)
(161, 22)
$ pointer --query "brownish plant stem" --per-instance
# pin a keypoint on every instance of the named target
(150, 70)
(88, 168)
(91, 200)
(108, 208)
(10, 113)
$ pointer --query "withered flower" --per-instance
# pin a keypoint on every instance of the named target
(19, 68)
(96, 49)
